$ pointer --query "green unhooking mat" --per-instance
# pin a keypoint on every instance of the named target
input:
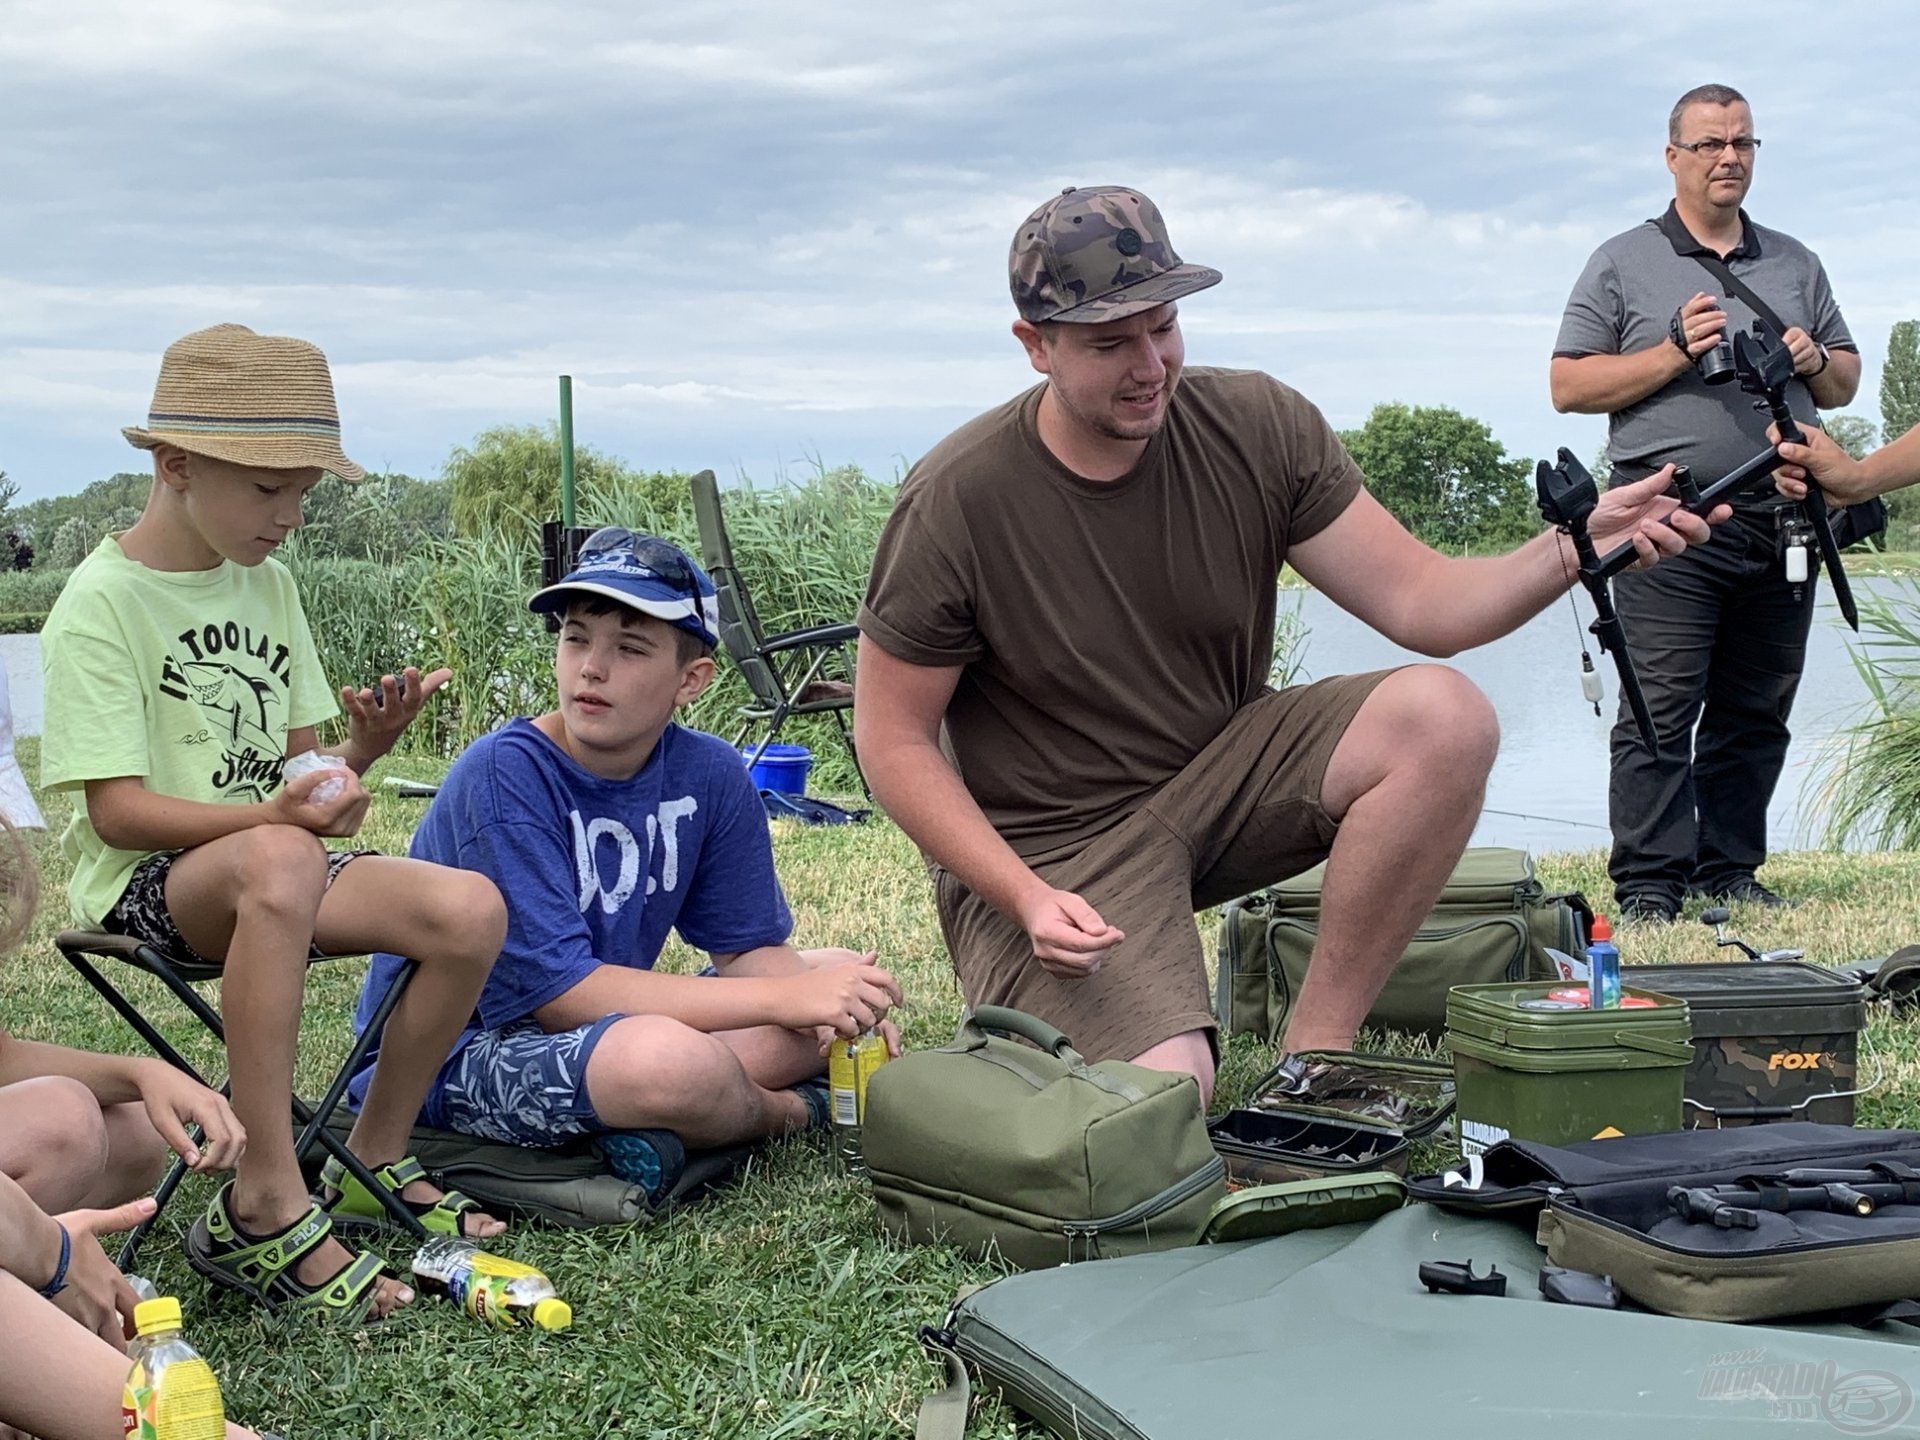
(1329, 1332)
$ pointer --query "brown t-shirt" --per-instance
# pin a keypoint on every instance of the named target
(1108, 630)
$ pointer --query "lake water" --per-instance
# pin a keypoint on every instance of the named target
(1549, 788)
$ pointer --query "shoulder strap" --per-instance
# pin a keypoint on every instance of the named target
(1717, 268)
(943, 1414)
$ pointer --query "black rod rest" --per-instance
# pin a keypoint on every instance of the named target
(1568, 496)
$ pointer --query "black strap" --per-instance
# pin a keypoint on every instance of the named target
(1717, 268)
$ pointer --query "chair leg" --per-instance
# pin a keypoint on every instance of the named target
(316, 1120)
(142, 1026)
(312, 1119)
(130, 1247)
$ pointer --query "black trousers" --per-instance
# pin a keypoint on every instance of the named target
(1719, 641)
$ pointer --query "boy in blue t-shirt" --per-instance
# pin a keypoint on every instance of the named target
(604, 825)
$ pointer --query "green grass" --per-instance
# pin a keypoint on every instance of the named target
(776, 1309)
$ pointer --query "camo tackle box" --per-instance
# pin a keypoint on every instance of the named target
(1772, 1040)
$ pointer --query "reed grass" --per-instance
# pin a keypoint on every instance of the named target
(1871, 790)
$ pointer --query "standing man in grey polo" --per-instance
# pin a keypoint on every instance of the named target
(1719, 636)
(1062, 693)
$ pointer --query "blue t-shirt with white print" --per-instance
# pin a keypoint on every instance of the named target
(596, 871)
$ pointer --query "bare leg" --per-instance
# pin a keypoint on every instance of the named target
(1406, 783)
(136, 1158)
(774, 1056)
(453, 922)
(252, 898)
(649, 1072)
(53, 1140)
(1188, 1051)
(68, 1153)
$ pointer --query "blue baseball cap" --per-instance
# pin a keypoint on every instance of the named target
(641, 572)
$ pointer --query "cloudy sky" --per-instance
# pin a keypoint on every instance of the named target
(761, 233)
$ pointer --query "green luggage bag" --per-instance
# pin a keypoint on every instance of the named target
(1028, 1153)
(1494, 922)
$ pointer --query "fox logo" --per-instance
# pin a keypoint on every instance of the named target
(1799, 1060)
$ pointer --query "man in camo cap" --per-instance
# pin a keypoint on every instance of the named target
(1062, 685)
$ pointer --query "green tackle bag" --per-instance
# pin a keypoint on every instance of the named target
(1028, 1153)
(1492, 923)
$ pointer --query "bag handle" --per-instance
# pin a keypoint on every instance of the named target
(1018, 1023)
(1654, 1045)
(943, 1414)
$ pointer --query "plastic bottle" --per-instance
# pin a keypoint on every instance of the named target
(143, 1291)
(1603, 968)
(850, 1063)
(502, 1293)
(308, 761)
(171, 1392)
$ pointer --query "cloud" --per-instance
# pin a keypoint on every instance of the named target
(754, 231)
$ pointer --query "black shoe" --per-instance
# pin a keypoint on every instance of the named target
(1749, 891)
(1648, 908)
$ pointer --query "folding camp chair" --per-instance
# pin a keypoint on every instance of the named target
(784, 671)
(78, 945)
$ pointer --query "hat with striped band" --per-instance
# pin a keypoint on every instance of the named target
(261, 400)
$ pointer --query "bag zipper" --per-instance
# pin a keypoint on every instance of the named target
(1170, 1198)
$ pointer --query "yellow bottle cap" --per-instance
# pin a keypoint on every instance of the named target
(153, 1316)
(552, 1314)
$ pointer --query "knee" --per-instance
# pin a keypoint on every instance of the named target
(465, 916)
(1448, 719)
(281, 868)
(59, 1138)
(655, 1062)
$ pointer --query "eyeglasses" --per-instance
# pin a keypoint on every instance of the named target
(1710, 149)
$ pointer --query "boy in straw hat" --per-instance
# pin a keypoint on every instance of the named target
(180, 674)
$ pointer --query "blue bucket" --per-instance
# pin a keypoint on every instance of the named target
(781, 767)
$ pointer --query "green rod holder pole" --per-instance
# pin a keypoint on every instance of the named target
(566, 451)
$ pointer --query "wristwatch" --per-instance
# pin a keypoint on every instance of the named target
(1826, 357)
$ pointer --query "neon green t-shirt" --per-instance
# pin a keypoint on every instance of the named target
(190, 679)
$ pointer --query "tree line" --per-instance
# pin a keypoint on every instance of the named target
(1442, 473)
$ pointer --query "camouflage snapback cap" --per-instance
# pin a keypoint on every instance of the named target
(1097, 254)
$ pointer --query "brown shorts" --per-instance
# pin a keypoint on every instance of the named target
(1245, 813)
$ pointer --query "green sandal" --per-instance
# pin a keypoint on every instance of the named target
(261, 1266)
(354, 1207)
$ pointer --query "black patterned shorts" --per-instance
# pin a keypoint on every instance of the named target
(141, 911)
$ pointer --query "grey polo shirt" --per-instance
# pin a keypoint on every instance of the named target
(1623, 303)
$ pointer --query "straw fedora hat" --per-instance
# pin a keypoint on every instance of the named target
(264, 400)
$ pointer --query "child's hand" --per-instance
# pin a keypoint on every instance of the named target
(337, 816)
(174, 1101)
(845, 999)
(825, 1037)
(376, 717)
(97, 1294)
